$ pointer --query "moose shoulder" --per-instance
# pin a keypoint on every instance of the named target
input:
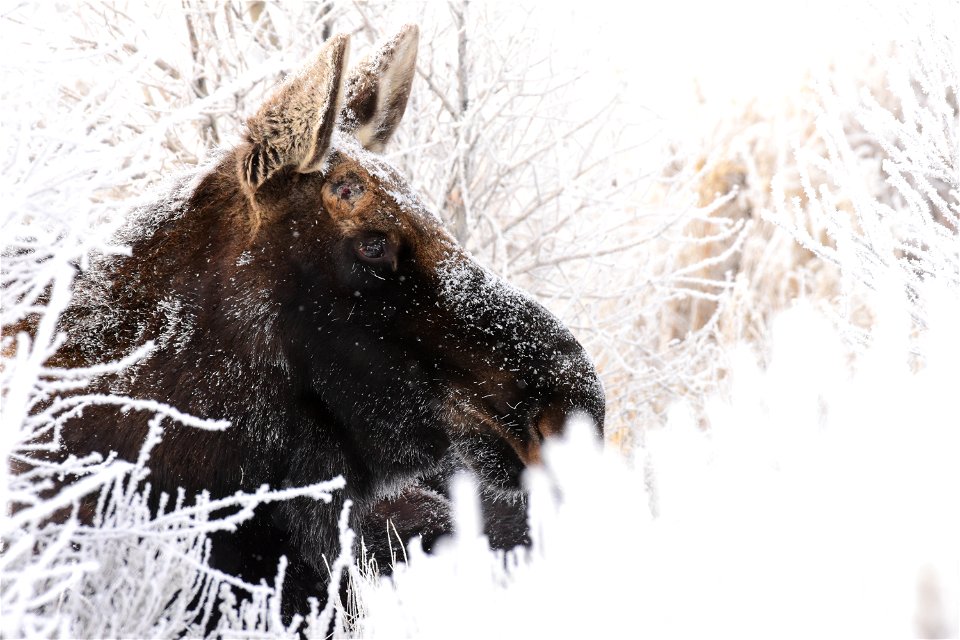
(302, 291)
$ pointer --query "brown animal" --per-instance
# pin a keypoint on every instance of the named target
(301, 290)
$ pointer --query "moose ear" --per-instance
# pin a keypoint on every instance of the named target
(294, 126)
(378, 88)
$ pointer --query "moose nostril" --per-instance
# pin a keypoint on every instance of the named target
(550, 422)
(552, 419)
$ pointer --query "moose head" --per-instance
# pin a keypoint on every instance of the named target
(405, 342)
(302, 290)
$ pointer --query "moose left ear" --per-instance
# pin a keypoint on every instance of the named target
(294, 126)
(377, 89)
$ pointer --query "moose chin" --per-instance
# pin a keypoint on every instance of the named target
(300, 289)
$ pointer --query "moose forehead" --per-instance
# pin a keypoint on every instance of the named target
(362, 193)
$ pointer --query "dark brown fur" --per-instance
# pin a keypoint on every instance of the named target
(268, 310)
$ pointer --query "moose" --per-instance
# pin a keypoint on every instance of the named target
(300, 289)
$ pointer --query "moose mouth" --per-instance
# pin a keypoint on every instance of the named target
(499, 445)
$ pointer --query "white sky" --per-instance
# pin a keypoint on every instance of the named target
(666, 53)
(733, 48)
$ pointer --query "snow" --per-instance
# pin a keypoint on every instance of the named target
(467, 287)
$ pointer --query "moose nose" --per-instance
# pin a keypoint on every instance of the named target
(578, 392)
(553, 419)
(552, 422)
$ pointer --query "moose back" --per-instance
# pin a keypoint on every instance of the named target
(302, 290)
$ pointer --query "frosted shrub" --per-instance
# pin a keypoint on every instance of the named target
(883, 180)
(844, 187)
(890, 203)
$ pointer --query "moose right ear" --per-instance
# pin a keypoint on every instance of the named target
(378, 88)
(294, 126)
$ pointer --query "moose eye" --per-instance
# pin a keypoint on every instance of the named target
(372, 248)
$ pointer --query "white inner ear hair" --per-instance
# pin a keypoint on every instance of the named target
(394, 74)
